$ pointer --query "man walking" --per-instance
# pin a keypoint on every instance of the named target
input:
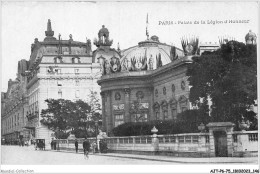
(86, 147)
(76, 145)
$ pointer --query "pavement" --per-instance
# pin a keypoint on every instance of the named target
(180, 160)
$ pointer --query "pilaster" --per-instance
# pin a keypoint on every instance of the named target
(127, 117)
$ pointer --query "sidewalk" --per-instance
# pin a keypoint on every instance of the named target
(181, 160)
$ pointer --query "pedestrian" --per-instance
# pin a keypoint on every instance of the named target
(86, 147)
(52, 145)
(94, 146)
(76, 145)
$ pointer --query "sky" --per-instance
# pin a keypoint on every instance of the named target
(126, 21)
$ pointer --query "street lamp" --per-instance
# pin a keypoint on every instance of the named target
(96, 127)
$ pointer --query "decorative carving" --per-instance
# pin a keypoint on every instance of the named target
(150, 63)
(49, 31)
(139, 95)
(173, 54)
(183, 85)
(117, 96)
(127, 92)
(158, 61)
(190, 47)
(183, 100)
(115, 65)
(156, 106)
(156, 92)
(107, 66)
(173, 88)
(173, 103)
(119, 107)
(103, 38)
(164, 105)
(164, 90)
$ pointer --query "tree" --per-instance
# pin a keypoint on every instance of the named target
(95, 113)
(64, 116)
(228, 77)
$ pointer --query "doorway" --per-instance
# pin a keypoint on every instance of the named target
(220, 138)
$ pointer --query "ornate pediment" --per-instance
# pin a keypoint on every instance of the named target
(173, 103)
(183, 100)
(164, 105)
(156, 106)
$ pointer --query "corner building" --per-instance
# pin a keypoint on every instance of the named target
(57, 69)
(151, 75)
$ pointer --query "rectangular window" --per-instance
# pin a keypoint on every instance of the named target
(77, 93)
(59, 83)
(165, 114)
(58, 71)
(119, 119)
(157, 115)
(76, 71)
(174, 114)
(59, 94)
(77, 82)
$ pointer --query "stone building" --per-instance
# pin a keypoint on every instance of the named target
(13, 108)
(56, 69)
(149, 77)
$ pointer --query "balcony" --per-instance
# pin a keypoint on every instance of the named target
(31, 116)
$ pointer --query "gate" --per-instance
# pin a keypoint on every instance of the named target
(220, 138)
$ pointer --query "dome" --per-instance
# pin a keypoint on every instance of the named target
(151, 53)
(250, 37)
(103, 32)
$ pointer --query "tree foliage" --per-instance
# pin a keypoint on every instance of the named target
(65, 116)
(228, 77)
(187, 122)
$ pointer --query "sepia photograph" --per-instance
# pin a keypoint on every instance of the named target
(129, 87)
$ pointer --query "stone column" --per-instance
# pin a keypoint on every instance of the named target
(109, 111)
(212, 144)
(104, 116)
(230, 141)
(151, 113)
(127, 117)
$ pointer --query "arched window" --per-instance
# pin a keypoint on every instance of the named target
(76, 60)
(183, 102)
(59, 93)
(173, 106)
(156, 108)
(164, 106)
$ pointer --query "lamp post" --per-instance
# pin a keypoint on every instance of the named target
(96, 127)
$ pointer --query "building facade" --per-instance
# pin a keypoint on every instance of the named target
(13, 108)
(57, 69)
(145, 82)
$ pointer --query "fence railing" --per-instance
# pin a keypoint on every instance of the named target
(163, 139)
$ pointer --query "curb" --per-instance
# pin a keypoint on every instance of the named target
(162, 160)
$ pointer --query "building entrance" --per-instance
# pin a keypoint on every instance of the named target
(220, 138)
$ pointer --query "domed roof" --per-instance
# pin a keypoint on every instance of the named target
(103, 31)
(151, 50)
(250, 37)
(250, 34)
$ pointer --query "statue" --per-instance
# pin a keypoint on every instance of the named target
(151, 63)
(107, 65)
